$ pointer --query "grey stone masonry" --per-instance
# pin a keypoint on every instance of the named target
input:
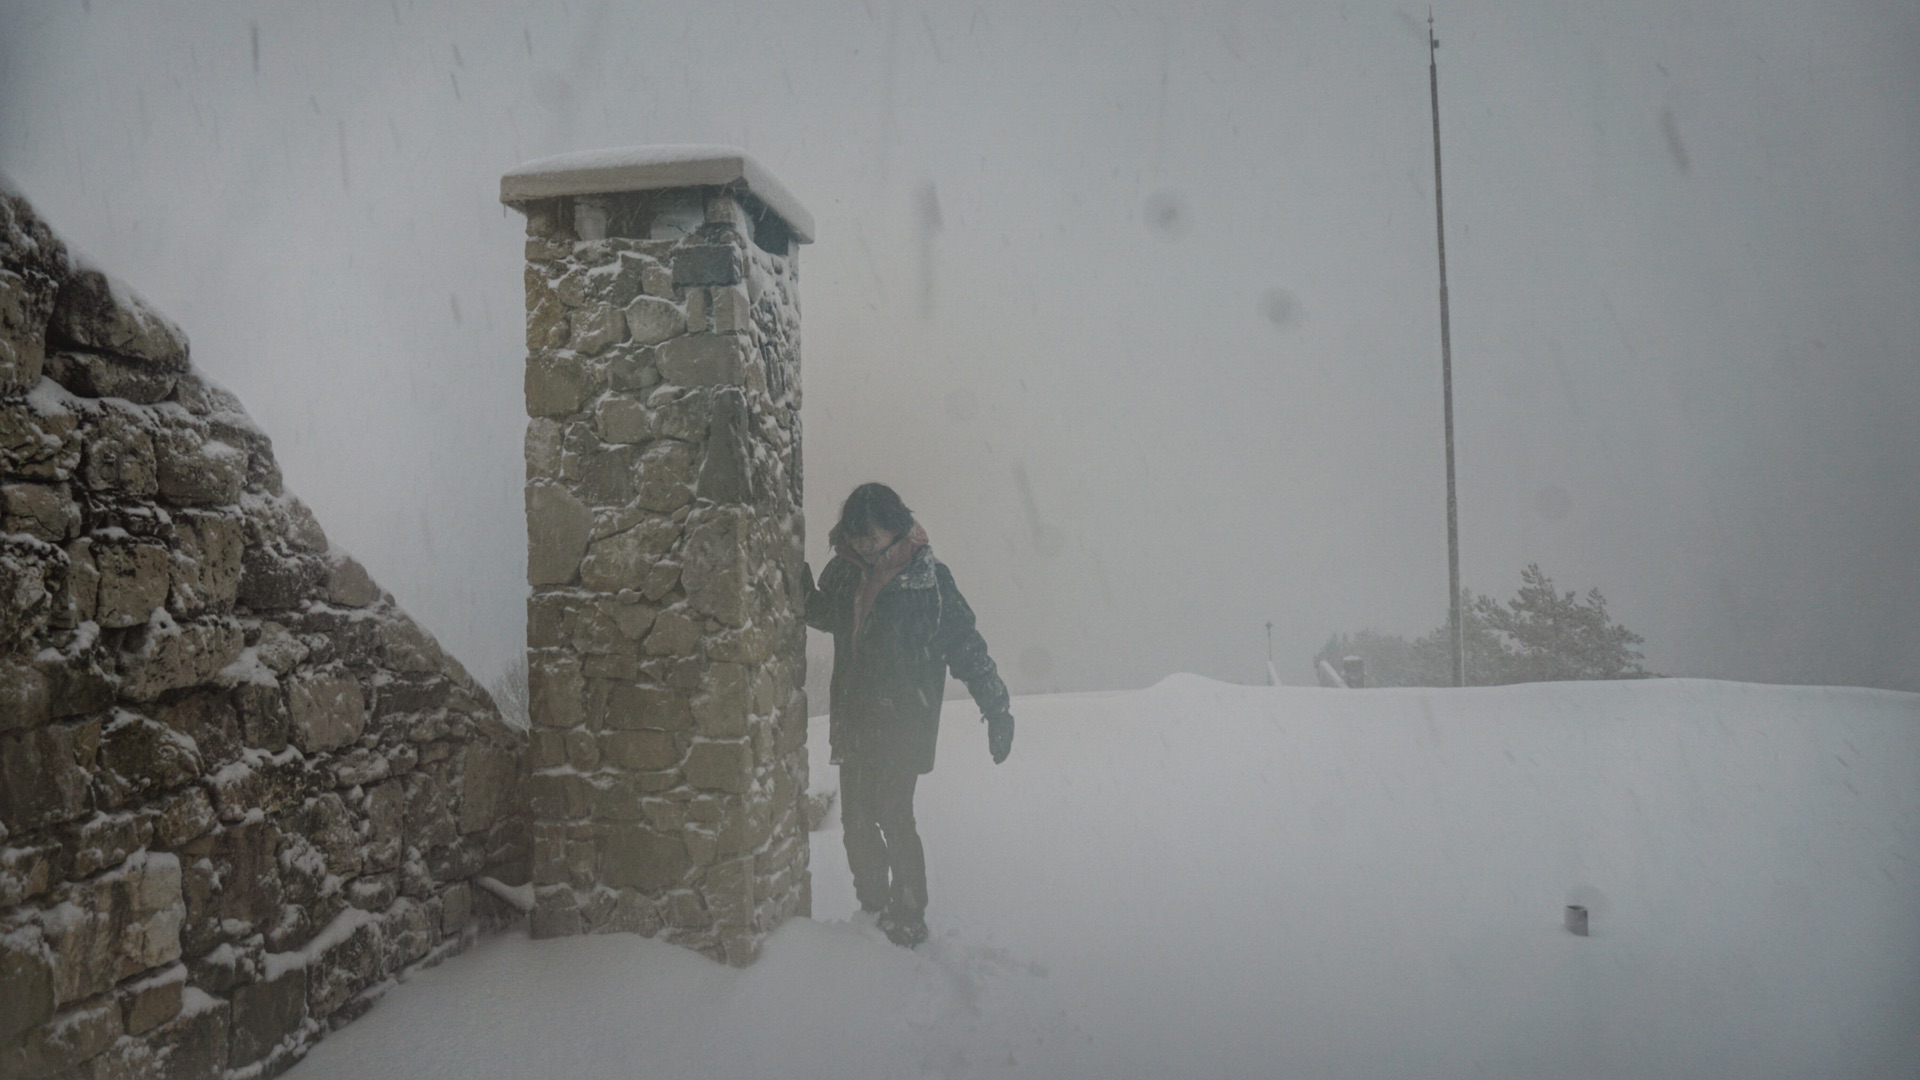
(240, 790)
(666, 654)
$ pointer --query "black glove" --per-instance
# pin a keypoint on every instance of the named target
(1000, 736)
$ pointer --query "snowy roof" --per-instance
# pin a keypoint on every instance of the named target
(651, 168)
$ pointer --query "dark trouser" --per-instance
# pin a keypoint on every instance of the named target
(876, 812)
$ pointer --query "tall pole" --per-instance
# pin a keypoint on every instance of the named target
(1456, 629)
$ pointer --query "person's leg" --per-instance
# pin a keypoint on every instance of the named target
(907, 898)
(860, 828)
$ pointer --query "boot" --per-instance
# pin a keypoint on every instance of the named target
(905, 931)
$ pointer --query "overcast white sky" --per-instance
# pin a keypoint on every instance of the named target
(1168, 368)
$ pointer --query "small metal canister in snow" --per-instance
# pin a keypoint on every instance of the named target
(1577, 920)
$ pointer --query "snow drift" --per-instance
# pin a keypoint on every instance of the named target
(1209, 880)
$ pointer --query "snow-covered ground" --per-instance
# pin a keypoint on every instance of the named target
(1209, 880)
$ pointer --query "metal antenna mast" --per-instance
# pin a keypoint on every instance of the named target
(1456, 629)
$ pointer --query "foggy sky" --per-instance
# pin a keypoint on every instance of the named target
(1134, 303)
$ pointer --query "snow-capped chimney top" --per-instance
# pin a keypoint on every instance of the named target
(654, 168)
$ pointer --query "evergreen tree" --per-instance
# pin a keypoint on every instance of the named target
(1541, 635)
(1558, 636)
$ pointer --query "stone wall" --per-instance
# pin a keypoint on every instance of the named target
(666, 656)
(240, 790)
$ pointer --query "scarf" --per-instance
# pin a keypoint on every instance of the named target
(875, 575)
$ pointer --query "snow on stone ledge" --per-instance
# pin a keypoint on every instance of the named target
(652, 168)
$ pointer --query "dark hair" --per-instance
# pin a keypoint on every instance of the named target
(868, 506)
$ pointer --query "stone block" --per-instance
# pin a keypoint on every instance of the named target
(657, 280)
(645, 751)
(325, 711)
(547, 323)
(596, 327)
(264, 784)
(375, 892)
(699, 315)
(714, 567)
(102, 841)
(726, 476)
(192, 470)
(348, 584)
(684, 909)
(166, 655)
(133, 581)
(76, 682)
(558, 526)
(430, 820)
(728, 892)
(558, 796)
(183, 818)
(406, 647)
(721, 709)
(732, 311)
(274, 580)
(409, 930)
(617, 706)
(26, 697)
(26, 982)
(549, 853)
(193, 1046)
(96, 312)
(331, 829)
(118, 457)
(556, 691)
(265, 1013)
(557, 384)
(703, 360)
(98, 375)
(152, 1001)
(620, 419)
(640, 858)
(25, 872)
(65, 1043)
(667, 476)
(45, 774)
(385, 810)
(40, 444)
(345, 962)
(624, 560)
(557, 917)
(720, 766)
(260, 709)
(545, 448)
(609, 477)
(456, 908)
(139, 759)
(673, 634)
(487, 785)
(707, 264)
(30, 575)
(651, 320)
(43, 511)
(207, 560)
(583, 750)
(115, 926)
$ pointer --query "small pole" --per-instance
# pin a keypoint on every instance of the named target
(1456, 629)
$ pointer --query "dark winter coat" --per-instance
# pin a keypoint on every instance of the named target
(884, 705)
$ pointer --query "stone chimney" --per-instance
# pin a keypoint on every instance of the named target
(665, 650)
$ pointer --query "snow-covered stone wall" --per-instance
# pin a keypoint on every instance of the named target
(240, 790)
(666, 655)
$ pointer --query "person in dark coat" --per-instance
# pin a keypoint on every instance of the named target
(899, 625)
